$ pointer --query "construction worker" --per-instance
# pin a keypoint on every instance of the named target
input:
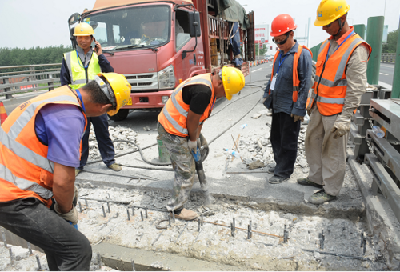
(40, 148)
(180, 123)
(286, 94)
(78, 67)
(340, 81)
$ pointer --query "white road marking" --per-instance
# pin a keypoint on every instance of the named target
(256, 70)
(381, 73)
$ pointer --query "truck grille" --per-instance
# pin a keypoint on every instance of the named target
(142, 82)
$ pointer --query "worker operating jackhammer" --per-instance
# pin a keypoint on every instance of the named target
(180, 124)
(41, 144)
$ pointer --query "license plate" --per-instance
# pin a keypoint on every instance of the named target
(129, 102)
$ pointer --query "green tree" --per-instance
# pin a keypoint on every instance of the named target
(391, 45)
(34, 55)
(261, 52)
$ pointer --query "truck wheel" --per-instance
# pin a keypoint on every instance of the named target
(120, 115)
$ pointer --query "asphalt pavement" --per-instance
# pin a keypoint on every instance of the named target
(386, 73)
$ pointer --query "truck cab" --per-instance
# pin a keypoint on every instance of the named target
(155, 44)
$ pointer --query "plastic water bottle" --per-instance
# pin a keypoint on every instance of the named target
(244, 125)
(235, 154)
(378, 132)
(232, 152)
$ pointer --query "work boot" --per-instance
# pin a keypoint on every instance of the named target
(187, 215)
(271, 170)
(115, 166)
(77, 171)
(276, 180)
(321, 197)
(307, 182)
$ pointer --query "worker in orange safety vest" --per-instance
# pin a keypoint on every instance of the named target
(180, 124)
(41, 144)
(286, 94)
(339, 83)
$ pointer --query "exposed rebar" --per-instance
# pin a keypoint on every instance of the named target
(29, 248)
(38, 263)
(104, 212)
(3, 236)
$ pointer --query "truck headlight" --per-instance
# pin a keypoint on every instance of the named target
(166, 78)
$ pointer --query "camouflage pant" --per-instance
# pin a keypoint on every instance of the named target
(183, 165)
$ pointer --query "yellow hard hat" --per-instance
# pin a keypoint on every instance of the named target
(83, 29)
(330, 10)
(232, 80)
(120, 90)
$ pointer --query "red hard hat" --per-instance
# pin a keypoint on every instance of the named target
(282, 24)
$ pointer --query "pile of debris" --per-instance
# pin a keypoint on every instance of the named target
(117, 133)
(256, 151)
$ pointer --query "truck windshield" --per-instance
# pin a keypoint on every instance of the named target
(142, 26)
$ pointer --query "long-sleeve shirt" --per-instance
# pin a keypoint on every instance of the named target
(104, 64)
(281, 99)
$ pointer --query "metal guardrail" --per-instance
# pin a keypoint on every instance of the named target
(388, 57)
(385, 160)
(28, 78)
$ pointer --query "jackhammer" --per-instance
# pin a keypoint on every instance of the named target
(199, 157)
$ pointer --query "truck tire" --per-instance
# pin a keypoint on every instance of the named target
(120, 115)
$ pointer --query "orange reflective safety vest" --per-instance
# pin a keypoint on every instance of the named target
(174, 114)
(296, 81)
(330, 78)
(25, 170)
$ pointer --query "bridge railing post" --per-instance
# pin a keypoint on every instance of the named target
(374, 38)
(396, 76)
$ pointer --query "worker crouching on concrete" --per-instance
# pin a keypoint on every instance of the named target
(78, 68)
(41, 143)
(180, 123)
(339, 84)
(286, 94)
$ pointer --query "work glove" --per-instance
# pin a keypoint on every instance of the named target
(340, 129)
(204, 149)
(71, 216)
(297, 117)
(76, 193)
(192, 146)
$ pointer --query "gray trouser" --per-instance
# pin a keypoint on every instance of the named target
(183, 165)
(66, 248)
(325, 155)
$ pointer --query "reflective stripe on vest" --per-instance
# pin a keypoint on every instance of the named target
(166, 119)
(330, 83)
(25, 170)
(76, 70)
(296, 81)
(24, 184)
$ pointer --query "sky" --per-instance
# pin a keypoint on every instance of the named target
(31, 23)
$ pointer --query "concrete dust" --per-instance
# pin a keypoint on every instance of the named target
(214, 242)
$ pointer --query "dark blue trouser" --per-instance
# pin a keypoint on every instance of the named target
(284, 140)
(106, 146)
(66, 248)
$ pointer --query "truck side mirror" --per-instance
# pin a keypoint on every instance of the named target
(194, 24)
(74, 18)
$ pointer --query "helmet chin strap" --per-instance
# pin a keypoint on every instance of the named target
(341, 25)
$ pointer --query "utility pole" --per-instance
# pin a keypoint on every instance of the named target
(308, 32)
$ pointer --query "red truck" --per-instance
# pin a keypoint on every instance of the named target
(157, 44)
